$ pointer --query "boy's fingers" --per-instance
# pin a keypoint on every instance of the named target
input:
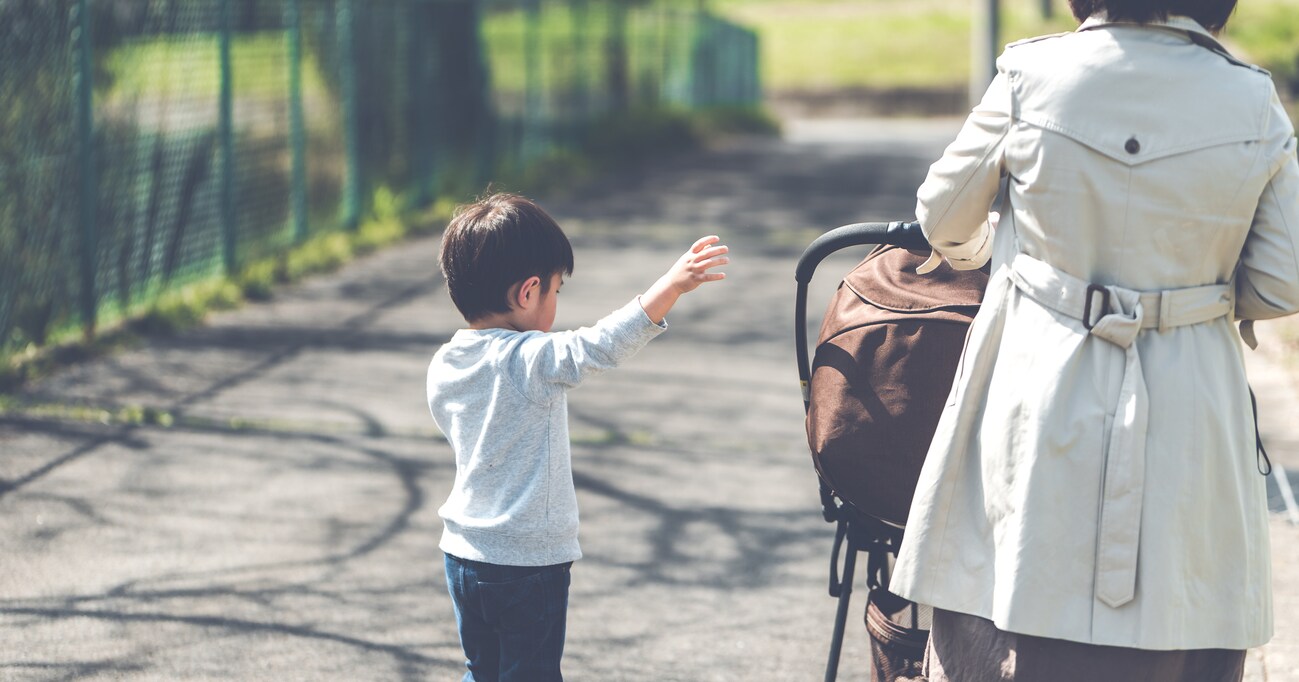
(703, 242)
(713, 252)
(712, 263)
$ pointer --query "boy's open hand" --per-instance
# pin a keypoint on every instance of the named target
(690, 270)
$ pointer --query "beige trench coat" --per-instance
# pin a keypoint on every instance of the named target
(1096, 479)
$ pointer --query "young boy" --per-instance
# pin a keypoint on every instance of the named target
(497, 390)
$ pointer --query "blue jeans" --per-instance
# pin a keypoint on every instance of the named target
(511, 619)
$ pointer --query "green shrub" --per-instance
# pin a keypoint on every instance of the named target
(734, 120)
(374, 234)
(257, 281)
(187, 306)
(434, 217)
(385, 225)
(639, 134)
(553, 172)
(319, 254)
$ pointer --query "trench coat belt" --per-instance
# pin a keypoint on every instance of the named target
(1117, 315)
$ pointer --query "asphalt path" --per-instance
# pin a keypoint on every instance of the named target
(283, 525)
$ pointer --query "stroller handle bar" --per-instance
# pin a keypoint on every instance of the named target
(898, 233)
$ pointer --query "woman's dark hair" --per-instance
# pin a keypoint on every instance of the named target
(1212, 14)
(495, 243)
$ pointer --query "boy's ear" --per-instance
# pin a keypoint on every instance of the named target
(529, 290)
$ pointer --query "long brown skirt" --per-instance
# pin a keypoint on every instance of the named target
(965, 648)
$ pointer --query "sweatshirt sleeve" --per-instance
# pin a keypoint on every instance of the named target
(1267, 281)
(952, 204)
(548, 364)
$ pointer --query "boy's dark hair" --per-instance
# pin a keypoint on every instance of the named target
(1212, 14)
(495, 243)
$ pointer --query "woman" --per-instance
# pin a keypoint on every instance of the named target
(1091, 506)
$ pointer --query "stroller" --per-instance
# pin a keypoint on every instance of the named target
(887, 353)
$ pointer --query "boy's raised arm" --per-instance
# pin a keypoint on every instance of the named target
(564, 359)
(690, 270)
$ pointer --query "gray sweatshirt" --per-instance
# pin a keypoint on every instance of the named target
(499, 396)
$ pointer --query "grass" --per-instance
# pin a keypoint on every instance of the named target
(189, 66)
(884, 44)
(137, 415)
(876, 44)
(805, 44)
(572, 51)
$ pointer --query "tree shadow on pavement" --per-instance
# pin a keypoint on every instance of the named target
(221, 531)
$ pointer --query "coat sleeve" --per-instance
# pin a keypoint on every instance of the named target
(1267, 280)
(952, 204)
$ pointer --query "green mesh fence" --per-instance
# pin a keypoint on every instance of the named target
(40, 169)
(148, 144)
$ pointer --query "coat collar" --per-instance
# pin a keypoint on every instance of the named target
(1176, 23)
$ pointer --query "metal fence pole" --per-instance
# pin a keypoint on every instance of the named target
(580, 20)
(488, 127)
(530, 142)
(679, 72)
(228, 217)
(664, 56)
(89, 187)
(297, 123)
(754, 92)
(351, 131)
(616, 79)
(985, 30)
(729, 65)
(423, 82)
(703, 55)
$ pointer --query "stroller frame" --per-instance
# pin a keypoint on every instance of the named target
(863, 532)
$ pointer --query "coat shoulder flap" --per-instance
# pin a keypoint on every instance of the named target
(1136, 101)
(1037, 39)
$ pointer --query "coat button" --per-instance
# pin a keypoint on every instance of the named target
(1132, 146)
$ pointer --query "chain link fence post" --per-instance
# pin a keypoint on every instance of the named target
(488, 129)
(580, 17)
(89, 193)
(616, 79)
(229, 218)
(424, 82)
(352, 143)
(703, 56)
(530, 140)
(984, 45)
(297, 122)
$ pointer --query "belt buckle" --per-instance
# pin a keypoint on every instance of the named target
(1087, 305)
